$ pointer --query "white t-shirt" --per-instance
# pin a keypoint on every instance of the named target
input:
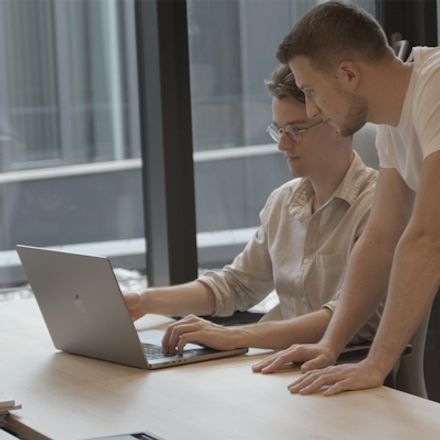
(418, 133)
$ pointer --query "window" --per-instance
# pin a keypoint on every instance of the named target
(69, 129)
(232, 51)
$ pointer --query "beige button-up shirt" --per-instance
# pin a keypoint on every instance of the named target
(299, 254)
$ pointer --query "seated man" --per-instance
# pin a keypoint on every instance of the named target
(308, 228)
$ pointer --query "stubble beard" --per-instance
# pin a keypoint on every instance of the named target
(356, 116)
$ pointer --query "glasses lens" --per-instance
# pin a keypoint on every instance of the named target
(274, 132)
(293, 133)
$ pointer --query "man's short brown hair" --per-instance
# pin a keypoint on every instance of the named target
(332, 32)
(283, 85)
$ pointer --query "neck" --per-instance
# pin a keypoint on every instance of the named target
(386, 90)
(325, 183)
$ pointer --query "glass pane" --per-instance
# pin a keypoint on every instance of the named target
(232, 52)
(29, 118)
(438, 21)
(69, 129)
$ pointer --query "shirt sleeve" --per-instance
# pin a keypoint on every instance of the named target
(249, 279)
(426, 111)
(384, 144)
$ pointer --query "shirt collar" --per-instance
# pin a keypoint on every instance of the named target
(351, 184)
(347, 190)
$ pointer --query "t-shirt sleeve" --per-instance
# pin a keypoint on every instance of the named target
(384, 145)
(426, 109)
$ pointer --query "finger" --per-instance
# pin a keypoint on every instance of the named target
(176, 334)
(166, 337)
(320, 379)
(193, 337)
(266, 361)
(317, 384)
(302, 382)
(338, 387)
(315, 364)
(192, 319)
(278, 362)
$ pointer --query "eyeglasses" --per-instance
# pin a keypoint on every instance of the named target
(294, 133)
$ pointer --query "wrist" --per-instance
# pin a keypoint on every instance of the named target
(380, 366)
(147, 301)
(332, 347)
(243, 337)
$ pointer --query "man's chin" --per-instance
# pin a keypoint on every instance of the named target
(349, 131)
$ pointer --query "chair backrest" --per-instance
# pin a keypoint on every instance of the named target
(364, 144)
(410, 376)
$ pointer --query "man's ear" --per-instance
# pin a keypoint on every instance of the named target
(348, 75)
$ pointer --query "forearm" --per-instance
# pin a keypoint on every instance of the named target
(414, 282)
(363, 288)
(190, 298)
(303, 329)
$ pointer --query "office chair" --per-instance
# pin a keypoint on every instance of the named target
(410, 376)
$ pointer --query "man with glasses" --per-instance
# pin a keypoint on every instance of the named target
(308, 228)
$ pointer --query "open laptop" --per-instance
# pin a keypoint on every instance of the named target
(85, 313)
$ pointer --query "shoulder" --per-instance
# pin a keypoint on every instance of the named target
(366, 183)
(426, 71)
(286, 189)
(283, 193)
(363, 178)
(426, 60)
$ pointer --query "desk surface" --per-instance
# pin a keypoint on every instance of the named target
(71, 397)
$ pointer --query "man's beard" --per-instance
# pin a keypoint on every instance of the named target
(356, 116)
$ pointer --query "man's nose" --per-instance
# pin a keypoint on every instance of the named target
(312, 109)
(284, 143)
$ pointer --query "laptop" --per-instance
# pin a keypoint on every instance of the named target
(85, 313)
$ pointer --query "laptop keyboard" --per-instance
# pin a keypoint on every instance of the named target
(155, 352)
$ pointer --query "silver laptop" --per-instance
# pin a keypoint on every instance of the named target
(85, 313)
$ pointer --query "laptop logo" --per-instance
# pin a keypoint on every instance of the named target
(79, 305)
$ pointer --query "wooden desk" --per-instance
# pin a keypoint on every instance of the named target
(70, 397)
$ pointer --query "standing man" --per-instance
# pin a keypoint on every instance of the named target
(341, 60)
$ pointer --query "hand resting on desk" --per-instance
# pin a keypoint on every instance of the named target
(335, 379)
(320, 373)
(313, 356)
